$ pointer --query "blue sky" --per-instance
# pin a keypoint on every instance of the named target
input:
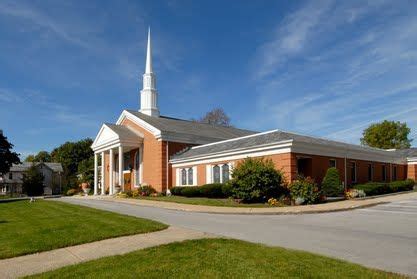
(324, 68)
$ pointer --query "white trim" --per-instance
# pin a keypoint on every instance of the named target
(177, 177)
(335, 162)
(195, 182)
(209, 174)
(148, 127)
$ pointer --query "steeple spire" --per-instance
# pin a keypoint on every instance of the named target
(148, 68)
(149, 95)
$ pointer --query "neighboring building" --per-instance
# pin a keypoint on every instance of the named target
(164, 152)
(12, 181)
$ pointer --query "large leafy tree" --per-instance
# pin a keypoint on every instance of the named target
(70, 155)
(386, 135)
(33, 182)
(42, 156)
(216, 116)
(7, 156)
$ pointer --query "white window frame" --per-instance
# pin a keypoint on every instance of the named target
(209, 172)
(178, 176)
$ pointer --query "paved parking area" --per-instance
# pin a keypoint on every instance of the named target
(383, 236)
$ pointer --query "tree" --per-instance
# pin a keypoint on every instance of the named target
(216, 116)
(387, 135)
(7, 156)
(70, 155)
(86, 170)
(257, 180)
(42, 156)
(331, 185)
(32, 182)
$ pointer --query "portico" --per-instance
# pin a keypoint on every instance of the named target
(113, 147)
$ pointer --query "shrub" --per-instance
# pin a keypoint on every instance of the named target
(176, 191)
(214, 190)
(354, 193)
(193, 191)
(227, 190)
(331, 185)
(404, 185)
(305, 189)
(256, 180)
(373, 188)
(72, 192)
(146, 190)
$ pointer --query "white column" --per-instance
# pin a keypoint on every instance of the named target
(103, 169)
(95, 173)
(121, 178)
(111, 178)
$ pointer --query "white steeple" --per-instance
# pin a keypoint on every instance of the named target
(148, 94)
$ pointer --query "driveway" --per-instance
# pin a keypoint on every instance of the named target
(383, 237)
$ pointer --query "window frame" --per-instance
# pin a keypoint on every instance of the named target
(353, 167)
(335, 163)
(371, 168)
(394, 173)
(384, 173)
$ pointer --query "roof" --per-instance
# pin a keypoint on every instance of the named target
(122, 131)
(191, 131)
(409, 152)
(56, 167)
(268, 138)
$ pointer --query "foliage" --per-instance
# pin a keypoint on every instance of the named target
(146, 190)
(28, 228)
(213, 190)
(216, 116)
(386, 135)
(354, 193)
(379, 188)
(72, 192)
(7, 156)
(306, 189)
(42, 156)
(32, 182)
(274, 202)
(331, 185)
(86, 170)
(70, 155)
(256, 180)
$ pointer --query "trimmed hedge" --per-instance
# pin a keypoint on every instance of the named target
(214, 190)
(379, 188)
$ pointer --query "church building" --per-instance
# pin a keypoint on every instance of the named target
(144, 147)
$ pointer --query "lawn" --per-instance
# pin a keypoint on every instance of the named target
(204, 201)
(217, 258)
(45, 225)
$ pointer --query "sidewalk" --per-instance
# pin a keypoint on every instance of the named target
(304, 209)
(49, 260)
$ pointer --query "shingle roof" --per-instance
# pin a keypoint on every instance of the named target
(198, 133)
(122, 131)
(410, 152)
(56, 167)
(261, 139)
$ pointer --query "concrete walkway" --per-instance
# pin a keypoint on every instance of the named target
(49, 260)
(305, 209)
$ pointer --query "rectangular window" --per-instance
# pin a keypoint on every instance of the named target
(370, 172)
(332, 163)
(384, 173)
(10, 175)
(394, 173)
(353, 172)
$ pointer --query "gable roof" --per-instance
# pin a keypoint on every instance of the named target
(186, 131)
(278, 137)
(112, 135)
(24, 166)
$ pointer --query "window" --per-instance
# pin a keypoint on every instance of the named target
(370, 172)
(183, 177)
(353, 172)
(394, 173)
(384, 173)
(332, 163)
(190, 176)
(225, 173)
(10, 175)
(127, 165)
(137, 166)
(216, 174)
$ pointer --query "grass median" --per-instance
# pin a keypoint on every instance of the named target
(27, 228)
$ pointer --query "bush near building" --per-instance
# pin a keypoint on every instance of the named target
(213, 190)
(305, 190)
(331, 185)
(257, 180)
(379, 188)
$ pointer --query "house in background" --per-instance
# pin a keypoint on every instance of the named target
(12, 181)
(144, 147)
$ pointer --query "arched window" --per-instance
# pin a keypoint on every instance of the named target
(190, 176)
(216, 174)
(183, 177)
(225, 173)
(137, 169)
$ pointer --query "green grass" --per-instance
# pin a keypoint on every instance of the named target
(204, 201)
(216, 258)
(45, 225)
